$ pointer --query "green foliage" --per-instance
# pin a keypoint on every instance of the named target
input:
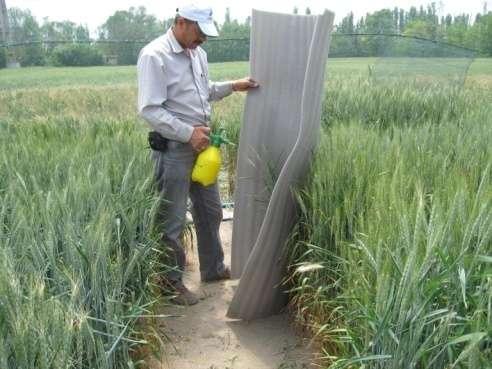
(483, 33)
(382, 103)
(129, 25)
(389, 262)
(3, 58)
(220, 50)
(126, 31)
(77, 248)
(103, 76)
(419, 23)
(76, 55)
(31, 55)
(422, 28)
(233, 42)
(24, 27)
(398, 218)
(227, 115)
(63, 31)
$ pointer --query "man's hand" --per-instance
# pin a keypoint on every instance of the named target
(244, 84)
(199, 139)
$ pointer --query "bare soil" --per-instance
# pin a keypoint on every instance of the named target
(201, 337)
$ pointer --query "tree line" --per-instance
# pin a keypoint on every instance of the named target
(124, 33)
(474, 33)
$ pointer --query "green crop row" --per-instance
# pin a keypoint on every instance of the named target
(77, 251)
(391, 266)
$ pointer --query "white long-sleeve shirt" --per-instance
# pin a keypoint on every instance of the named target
(174, 90)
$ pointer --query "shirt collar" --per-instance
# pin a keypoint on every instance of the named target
(177, 48)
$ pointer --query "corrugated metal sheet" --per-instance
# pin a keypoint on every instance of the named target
(279, 132)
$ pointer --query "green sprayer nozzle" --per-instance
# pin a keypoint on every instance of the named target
(217, 139)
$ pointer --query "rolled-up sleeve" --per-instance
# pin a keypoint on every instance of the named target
(152, 93)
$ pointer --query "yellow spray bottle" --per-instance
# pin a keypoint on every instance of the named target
(207, 165)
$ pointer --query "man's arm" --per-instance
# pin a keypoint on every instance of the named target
(152, 93)
(219, 90)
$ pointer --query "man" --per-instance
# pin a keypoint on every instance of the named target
(174, 94)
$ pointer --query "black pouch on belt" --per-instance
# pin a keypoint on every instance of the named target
(157, 142)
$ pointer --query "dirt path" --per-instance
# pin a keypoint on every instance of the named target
(203, 338)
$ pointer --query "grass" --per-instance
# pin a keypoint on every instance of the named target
(44, 77)
(390, 263)
(77, 249)
(400, 223)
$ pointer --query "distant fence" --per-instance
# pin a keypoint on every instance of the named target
(125, 52)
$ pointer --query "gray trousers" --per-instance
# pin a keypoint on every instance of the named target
(173, 175)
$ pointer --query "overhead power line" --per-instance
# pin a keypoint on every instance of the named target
(245, 39)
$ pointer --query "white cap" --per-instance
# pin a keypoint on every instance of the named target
(203, 16)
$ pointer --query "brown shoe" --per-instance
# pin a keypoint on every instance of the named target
(182, 295)
(226, 274)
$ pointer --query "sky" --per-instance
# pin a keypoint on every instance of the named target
(93, 13)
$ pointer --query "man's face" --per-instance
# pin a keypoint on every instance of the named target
(191, 35)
